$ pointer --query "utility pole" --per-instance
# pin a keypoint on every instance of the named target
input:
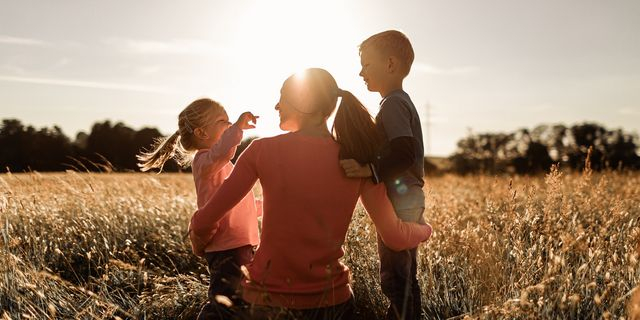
(427, 125)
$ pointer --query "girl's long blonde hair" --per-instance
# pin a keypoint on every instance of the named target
(180, 146)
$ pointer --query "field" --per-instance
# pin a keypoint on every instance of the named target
(104, 246)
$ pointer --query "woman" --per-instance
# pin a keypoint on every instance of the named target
(307, 202)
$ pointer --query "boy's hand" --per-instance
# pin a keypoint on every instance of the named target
(244, 119)
(353, 169)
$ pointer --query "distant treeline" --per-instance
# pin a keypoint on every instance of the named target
(533, 151)
(108, 147)
(113, 147)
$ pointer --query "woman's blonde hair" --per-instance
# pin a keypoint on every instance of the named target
(180, 146)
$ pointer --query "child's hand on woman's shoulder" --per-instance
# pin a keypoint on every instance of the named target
(245, 119)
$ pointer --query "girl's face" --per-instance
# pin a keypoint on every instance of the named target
(217, 124)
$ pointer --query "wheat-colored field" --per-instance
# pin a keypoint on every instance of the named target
(103, 246)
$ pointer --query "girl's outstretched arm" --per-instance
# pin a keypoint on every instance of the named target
(235, 187)
(395, 233)
(221, 152)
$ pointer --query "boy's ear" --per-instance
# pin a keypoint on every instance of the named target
(392, 64)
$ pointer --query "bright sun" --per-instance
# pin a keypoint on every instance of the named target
(275, 39)
(280, 37)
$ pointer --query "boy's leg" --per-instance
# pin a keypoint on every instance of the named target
(225, 278)
(398, 275)
(416, 293)
(399, 282)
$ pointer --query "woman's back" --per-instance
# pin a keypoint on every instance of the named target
(308, 204)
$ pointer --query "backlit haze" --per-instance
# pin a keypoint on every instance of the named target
(480, 65)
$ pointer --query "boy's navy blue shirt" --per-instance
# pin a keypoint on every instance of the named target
(399, 118)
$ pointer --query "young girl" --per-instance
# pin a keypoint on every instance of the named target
(204, 130)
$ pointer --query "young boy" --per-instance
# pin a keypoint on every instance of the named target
(386, 59)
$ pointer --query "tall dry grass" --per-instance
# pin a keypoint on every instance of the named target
(107, 246)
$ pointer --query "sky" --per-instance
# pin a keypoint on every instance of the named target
(480, 66)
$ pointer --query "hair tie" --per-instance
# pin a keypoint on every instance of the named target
(340, 92)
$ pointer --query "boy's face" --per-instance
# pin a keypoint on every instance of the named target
(374, 70)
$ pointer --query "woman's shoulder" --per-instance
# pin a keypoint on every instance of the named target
(258, 143)
(293, 141)
(272, 139)
(289, 137)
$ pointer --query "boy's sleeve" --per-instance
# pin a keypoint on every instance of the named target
(234, 188)
(401, 157)
(395, 119)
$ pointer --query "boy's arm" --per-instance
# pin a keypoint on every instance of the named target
(401, 157)
(394, 119)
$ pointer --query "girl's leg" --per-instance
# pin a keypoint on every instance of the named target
(225, 279)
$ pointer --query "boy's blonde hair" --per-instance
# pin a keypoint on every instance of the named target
(391, 43)
(181, 146)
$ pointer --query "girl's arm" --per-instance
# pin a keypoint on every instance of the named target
(395, 233)
(222, 151)
(235, 187)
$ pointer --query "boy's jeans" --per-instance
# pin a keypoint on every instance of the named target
(225, 273)
(398, 275)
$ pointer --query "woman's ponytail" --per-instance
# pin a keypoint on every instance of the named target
(355, 130)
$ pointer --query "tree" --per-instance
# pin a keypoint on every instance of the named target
(114, 143)
(530, 152)
(25, 148)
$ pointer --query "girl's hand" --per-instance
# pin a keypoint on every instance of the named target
(245, 119)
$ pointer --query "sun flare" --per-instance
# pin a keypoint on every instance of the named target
(277, 39)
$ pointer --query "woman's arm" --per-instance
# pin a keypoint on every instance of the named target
(395, 233)
(235, 187)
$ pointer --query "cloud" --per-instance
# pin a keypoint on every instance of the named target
(544, 107)
(629, 111)
(12, 68)
(21, 41)
(176, 46)
(87, 84)
(426, 68)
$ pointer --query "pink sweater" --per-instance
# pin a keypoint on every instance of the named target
(308, 204)
(239, 227)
